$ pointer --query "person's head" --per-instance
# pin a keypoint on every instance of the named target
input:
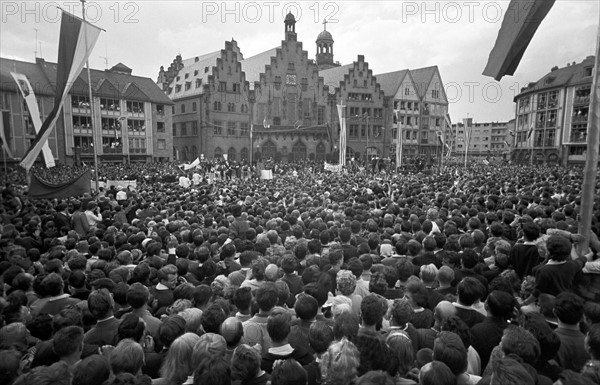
(68, 342)
(445, 275)
(320, 336)
(267, 296)
(9, 365)
(167, 276)
(372, 310)
(508, 371)
(100, 304)
(209, 344)
(592, 341)
(232, 330)
(346, 282)
(171, 328)
(436, 373)
(416, 293)
(92, 370)
(516, 340)
(401, 346)
(405, 269)
(54, 285)
(500, 304)
(132, 327)
(346, 326)
(212, 318)
(137, 295)
(177, 365)
(288, 372)
(68, 316)
(559, 248)
(340, 362)
(449, 348)
(531, 231)
(278, 325)
(214, 370)
(568, 308)
(127, 357)
(306, 307)
(541, 330)
(443, 310)
(428, 274)
(245, 363)
(55, 374)
(469, 290)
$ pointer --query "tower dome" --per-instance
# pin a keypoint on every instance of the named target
(324, 36)
(325, 49)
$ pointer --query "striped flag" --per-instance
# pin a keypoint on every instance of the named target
(521, 21)
(531, 128)
(342, 116)
(77, 39)
(34, 113)
(468, 123)
(5, 132)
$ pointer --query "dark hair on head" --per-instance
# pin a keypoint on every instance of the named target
(278, 325)
(436, 373)
(508, 371)
(568, 308)
(469, 290)
(267, 296)
(171, 328)
(501, 304)
(40, 326)
(372, 309)
(449, 349)
(100, 303)
(469, 258)
(592, 312)
(346, 325)
(68, 316)
(320, 336)
(375, 377)
(245, 363)
(517, 340)
(202, 294)
(531, 231)
(559, 248)
(212, 318)
(132, 327)
(456, 325)
(67, 341)
(92, 370)
(536, 324)
(378, 283)
(288, 372)
(242, 298)
(306, 307)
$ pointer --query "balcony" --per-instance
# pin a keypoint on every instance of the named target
(137, 150)
(112, 150)
(82, 130)
(579, 119)
(82, 108)
(581, 100)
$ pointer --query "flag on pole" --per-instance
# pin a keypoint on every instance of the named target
(342, 116)
(531, 128)
(34, 113)
(5, 132)
(468, 123)
(399, 143)
(521, 20)
(72, 55)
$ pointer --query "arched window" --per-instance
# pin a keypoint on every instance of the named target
(268, 150)
(184, 153)
(231, 154)
(244, 154)
(299, 151)
(320, 155)
(218, 153)
(193, 153)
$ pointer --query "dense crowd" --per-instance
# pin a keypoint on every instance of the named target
(466, 276)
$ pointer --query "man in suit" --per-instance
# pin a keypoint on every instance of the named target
(100, 304)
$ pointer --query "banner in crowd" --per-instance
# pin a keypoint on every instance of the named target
(333, 167)
(34, 113)
(266, 174)
(77, 39)
(5, 133)
(342, 116)
(38, 189)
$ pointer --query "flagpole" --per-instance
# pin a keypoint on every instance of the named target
(89, 78)
(591, 162)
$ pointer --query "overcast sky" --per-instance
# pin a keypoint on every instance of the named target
(457, 36)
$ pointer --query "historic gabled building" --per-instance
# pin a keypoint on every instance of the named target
(287, 104)
(366, 107)
(552, 116)
(129, 121)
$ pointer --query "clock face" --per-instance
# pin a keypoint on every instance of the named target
(290, 79)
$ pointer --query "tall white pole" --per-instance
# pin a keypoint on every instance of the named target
(89, 78)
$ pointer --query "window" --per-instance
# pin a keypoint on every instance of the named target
(217, 130)
(435, 94)
(184, 129)
(354, 111)
(109, 104)
(353, 130)
(194, 128)
(172, 110)
(244, 108)
(402, 105)
(174, 129)
(230, 107)
(409, 120)
(222, 86)
(291, 66)
(110, 124)
(135, 107)
(320, 115)
(182, 108)
(160, 109)
(231, 128)
(82, 102)
(198, 83)
(406, 91)
(160, 127)
(217, 106)
(178, 78)
(188, 85)
(161, 144)
(236, 88)
(136, 125)
(178, 88)
(194, 106)
(244, 129)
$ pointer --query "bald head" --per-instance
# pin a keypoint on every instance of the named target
(272, 272)
(231, 329)
(443, 311)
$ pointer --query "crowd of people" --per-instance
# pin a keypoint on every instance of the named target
(460, 276)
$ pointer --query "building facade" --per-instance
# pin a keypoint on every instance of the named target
(282, 105)
(551, 119)
(487, 138)
(128, 124)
